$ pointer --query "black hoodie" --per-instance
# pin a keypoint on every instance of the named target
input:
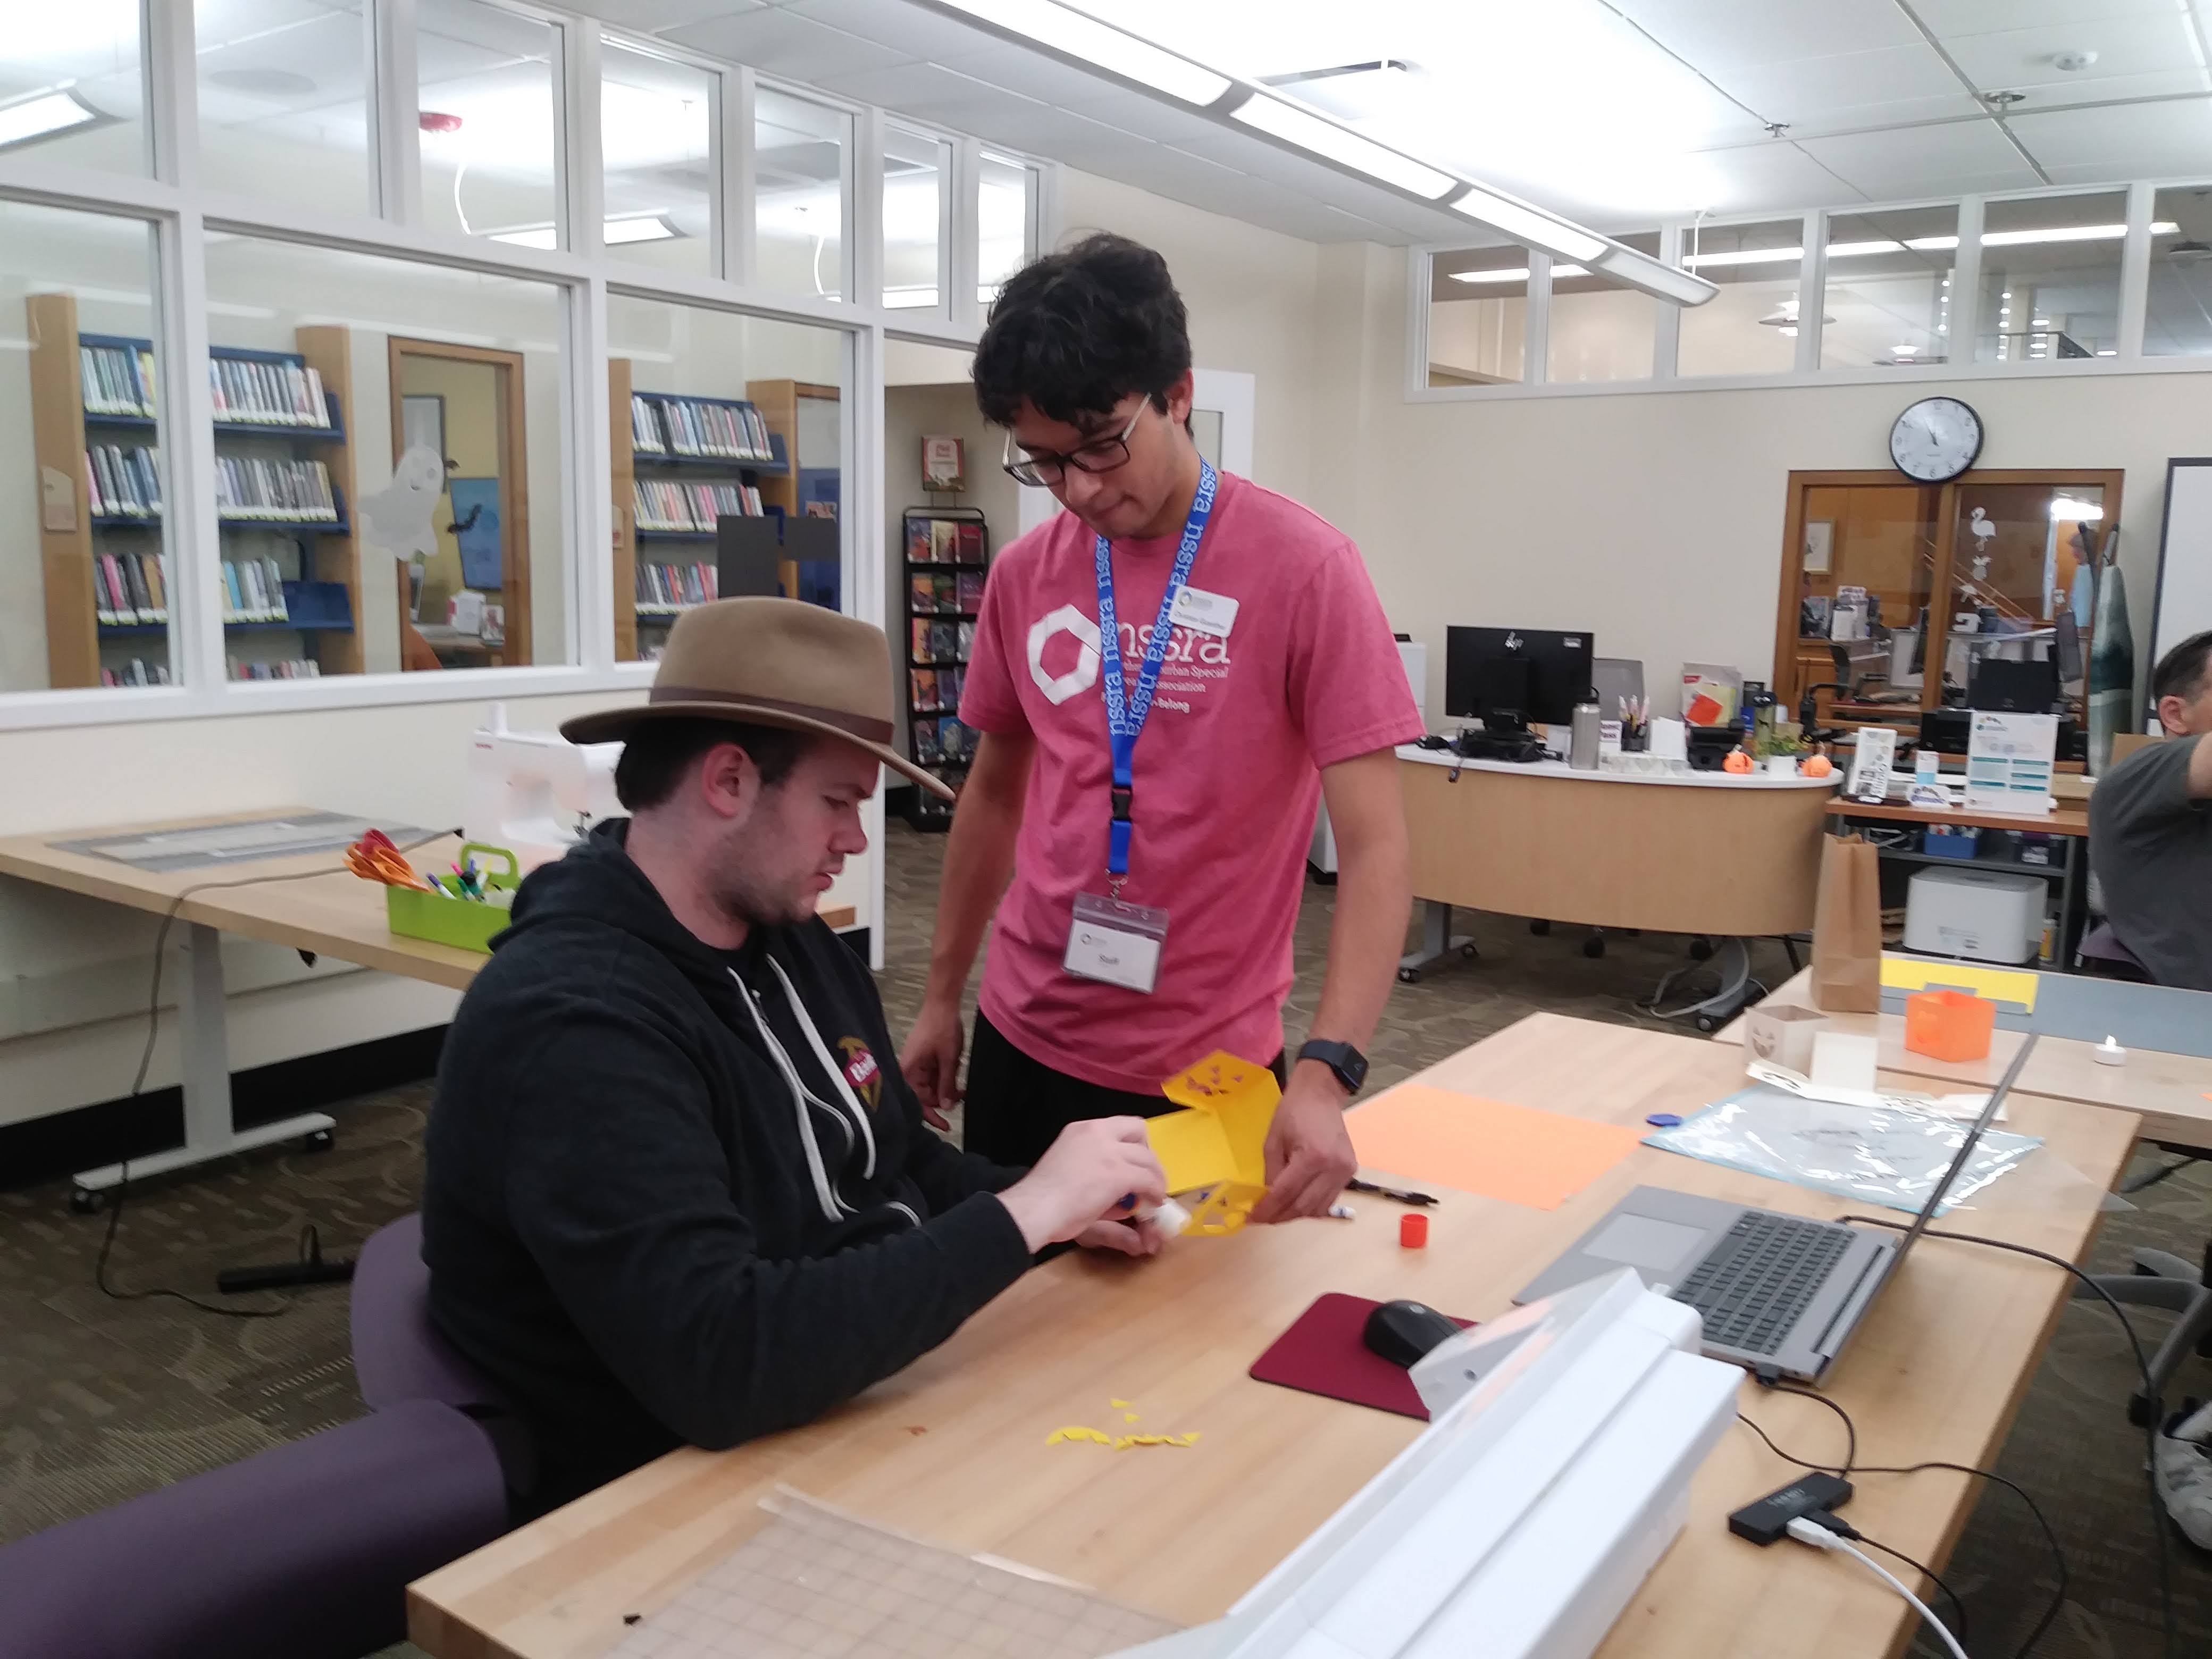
(639, 1227)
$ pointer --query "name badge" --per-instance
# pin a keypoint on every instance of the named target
(1203, 612)
(1116, 943)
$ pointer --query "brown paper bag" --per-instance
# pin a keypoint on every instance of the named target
(1847, 929)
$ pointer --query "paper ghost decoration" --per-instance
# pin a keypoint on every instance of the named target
(396, 518)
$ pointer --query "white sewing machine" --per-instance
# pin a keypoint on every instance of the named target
(535, 793)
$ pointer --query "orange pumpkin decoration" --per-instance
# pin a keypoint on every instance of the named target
(1737, 761)
(1817, 766)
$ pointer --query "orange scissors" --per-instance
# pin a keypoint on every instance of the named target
(374, 858)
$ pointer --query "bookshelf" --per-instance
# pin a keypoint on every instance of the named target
(285, 474)
(946, 554)
(679, 463)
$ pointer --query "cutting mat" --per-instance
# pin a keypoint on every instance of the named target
(814, 1584)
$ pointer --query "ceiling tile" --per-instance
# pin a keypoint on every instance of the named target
(1727, 35)
(911, 31)
(924, 91)
(1168, 123)
(783, 44)
(1950, 17)
(1928, 160)
(651, 16)
(2129, 140)
(2019, 59)
(1032, 73)
(1892, 84)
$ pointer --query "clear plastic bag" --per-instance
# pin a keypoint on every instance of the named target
(1875, 1154)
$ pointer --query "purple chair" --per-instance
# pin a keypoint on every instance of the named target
(304, 1551)
(301, 1551)
(2101, 952)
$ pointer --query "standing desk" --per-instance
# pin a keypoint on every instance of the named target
(1731, 857)
(953, 1448)
(2170, 1089)
(337, 914)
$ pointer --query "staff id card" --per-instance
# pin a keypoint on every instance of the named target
(1116, 942)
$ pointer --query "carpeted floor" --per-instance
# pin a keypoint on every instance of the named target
(100, 1399)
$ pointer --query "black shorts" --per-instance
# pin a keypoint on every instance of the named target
(1017, 1105)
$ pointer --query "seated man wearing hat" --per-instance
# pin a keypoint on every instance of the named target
(676, 1188)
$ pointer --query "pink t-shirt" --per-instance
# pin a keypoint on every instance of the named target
(1226, 774)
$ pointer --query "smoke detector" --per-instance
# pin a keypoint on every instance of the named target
(2072, 62)
(2002, 101)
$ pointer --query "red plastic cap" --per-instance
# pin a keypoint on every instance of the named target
(431, 121)
(1414, 1231)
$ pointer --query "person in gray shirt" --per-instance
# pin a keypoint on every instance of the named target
(2150, 828)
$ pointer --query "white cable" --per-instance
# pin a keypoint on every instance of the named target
(1811, 1532)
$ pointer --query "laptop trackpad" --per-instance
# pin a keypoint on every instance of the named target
(1656, 1247)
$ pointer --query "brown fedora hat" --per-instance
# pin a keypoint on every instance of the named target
(770, 662)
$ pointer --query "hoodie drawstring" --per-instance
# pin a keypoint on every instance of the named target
(825, 1190)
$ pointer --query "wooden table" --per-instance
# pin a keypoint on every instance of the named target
(2171, 1093)
(332, 914)
(953, 1448)
(2070, 818)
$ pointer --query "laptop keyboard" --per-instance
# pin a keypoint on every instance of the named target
(1753, 1284)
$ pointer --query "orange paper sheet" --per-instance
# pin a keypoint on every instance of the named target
(1486, 1147)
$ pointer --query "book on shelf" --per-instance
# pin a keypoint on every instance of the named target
(645, 437)
(275, 490)
(136, 671)
(969, 541)
(253, 591)
(921, 593)
(921, 690)
(662, 504)
(249, 391)
(954, 742)
(919, 645)
(123, 482)
(117, 380)
(704, 428)
(925, 741)
(950, 684)
(971, 593)
(947, 588)
(944, 642)
(295, 668)
(943, 542)
(964, 646)
(666, 589)
(917, 542)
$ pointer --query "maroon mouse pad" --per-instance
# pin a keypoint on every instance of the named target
(1326, 1353)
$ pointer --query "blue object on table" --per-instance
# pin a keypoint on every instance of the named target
(1664, 1119)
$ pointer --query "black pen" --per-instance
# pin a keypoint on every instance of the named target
(1418, 1199)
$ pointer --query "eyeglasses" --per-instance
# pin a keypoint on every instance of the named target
(1103, 456)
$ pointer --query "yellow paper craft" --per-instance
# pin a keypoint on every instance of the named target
(1218, 1141)
(1517, 1153)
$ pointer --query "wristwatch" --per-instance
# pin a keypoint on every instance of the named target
(1349, 1065)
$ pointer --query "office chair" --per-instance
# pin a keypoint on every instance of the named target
(2163, 1281)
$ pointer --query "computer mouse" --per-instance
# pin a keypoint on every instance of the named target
(1401, 1331)
(1432, 741)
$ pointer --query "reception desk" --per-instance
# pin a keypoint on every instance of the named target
(1726, 856)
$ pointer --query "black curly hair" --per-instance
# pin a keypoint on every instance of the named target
(1076, 331)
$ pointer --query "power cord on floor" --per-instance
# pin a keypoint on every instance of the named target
(2153, 1417)
(310, 1240)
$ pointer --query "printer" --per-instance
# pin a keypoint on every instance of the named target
(1984, 916)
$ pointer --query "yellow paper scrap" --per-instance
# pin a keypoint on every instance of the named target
(1122, 1443)
(1129, 1417)
(1121, 1405)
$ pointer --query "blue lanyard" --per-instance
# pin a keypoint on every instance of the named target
(1126, 715)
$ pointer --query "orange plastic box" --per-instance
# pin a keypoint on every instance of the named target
(1949, 1024)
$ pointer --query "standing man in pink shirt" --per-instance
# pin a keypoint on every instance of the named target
(1167, 678)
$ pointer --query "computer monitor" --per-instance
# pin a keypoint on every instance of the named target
(1507, 677)
(2000, 686)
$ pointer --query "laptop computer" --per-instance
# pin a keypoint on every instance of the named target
(1779, 1294)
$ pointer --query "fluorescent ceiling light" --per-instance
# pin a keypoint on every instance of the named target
(1111, 49)
(647, 227)
(1310, 132)
(1748, 256)
(1518, 274)
(43, 117)
(1525, 224)
(907, 298)
(1654, 277)
(2080, 512)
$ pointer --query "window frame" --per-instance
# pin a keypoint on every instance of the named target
(170, 198)
(1674, 239)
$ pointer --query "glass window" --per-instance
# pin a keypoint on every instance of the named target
(486, 94)
(1479, 317)
(283, 90)
(798, 194)
(2022, 579)
(1750, 327)
(84, 575)
(1601, 329)
(727, 474)
(1005, 223)
(656, 145)
(73, 85)
(2051, 278)
(1889, 299)
(916, 167)
(1868, 550)
(2178, 321)
(389, 437)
